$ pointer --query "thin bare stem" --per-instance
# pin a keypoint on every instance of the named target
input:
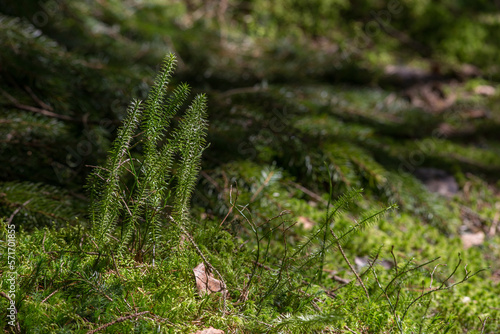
(349, 264)
(205, 260)
(121, 319)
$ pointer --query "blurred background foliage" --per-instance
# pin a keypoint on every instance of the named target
(69, 69)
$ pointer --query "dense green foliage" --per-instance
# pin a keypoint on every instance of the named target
(308, 102)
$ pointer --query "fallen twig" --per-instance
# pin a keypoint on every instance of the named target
(121, 319)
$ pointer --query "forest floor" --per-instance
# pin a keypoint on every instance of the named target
(402, 148)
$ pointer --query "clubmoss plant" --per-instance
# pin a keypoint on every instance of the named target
(133, 192)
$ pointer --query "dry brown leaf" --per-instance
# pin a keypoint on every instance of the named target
(210, 330)
(431, 96)
(485, 90)
(437, 181)
(306, 223)
(206, 283)
(476, 113)
(472, 239)
(494, 223)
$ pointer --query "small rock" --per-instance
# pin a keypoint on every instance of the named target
(469, 71)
